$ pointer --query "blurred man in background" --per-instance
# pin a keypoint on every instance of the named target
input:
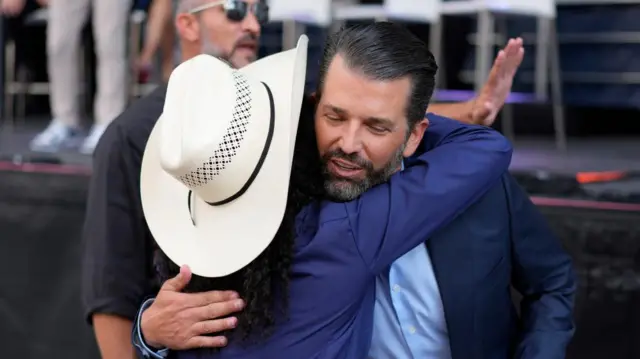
(119, 251)
(160, 35)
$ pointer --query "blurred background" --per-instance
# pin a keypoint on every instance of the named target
(573, 117)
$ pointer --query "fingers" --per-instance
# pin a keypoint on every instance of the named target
(513, 45)
(497, 69)
(205, 342)
(216, 296)
(179, 282)
(214, 326)
(217, 310)
(514, 53)
(500, 59)
(508, 59)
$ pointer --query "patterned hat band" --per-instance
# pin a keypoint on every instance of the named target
(231, 141)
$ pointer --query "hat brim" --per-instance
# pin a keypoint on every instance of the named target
(228, 237)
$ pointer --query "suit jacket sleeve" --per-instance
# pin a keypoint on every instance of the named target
(543, 274)
(393, 218)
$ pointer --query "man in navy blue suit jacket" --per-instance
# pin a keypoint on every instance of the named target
(503, 240)
(451, 298)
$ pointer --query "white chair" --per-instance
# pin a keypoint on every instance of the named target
(325, 13)
(17, 84)
(424, 11)
(547, 52)
(295, 14)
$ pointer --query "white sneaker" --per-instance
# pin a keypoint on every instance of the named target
(92, 139)
(55, 137)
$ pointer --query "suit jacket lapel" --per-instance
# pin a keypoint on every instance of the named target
(453, 266)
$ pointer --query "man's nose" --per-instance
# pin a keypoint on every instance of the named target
(250, 24)
(350, 141)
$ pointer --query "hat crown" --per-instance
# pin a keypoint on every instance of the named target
(213, 144)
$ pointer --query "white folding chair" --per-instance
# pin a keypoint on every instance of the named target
(18, 84)
(295, 14)
(424, 11)
(547, 52)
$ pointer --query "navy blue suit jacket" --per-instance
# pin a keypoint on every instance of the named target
(503, 240)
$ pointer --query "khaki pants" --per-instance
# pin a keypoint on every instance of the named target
(66, 20)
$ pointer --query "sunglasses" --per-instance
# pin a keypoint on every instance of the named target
(237, 10)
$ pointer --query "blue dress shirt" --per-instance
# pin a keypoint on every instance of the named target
(341, 248)
(408, 319)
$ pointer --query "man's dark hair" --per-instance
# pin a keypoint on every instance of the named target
(385, 51)
(264, 283)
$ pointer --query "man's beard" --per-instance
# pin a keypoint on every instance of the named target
(209, 48)
(346, 189)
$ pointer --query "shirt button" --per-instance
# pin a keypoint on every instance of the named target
(412, 329)
(396, 288)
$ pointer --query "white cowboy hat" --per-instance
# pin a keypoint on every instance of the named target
(215, 171)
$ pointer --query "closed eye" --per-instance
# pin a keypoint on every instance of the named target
(334, 118)
(379, 129)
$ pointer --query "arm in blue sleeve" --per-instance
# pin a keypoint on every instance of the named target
(543, 274)
(393, 218)
(142, 349)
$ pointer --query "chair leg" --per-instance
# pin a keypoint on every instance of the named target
(508, 128)
(435, 45)
(483, 47)
(542, 58)
(556, 88)
(290, 31)
(10, 74)
(21, 99)
(85, 77)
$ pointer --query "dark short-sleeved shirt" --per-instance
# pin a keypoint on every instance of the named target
(340, 248)
(118, 248)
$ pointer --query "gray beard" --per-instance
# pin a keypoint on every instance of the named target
(209, 48)
(344, 190)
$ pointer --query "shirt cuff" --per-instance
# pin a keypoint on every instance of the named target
(138, 341)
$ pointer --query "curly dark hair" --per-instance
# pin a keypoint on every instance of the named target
(264, 283)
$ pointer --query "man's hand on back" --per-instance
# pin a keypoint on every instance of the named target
(483, 109)
(495, 91)
(181, 321)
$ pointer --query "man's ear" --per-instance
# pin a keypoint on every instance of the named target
(188, 27)
(415, 137)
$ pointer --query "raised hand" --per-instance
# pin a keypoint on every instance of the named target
(495, 91)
